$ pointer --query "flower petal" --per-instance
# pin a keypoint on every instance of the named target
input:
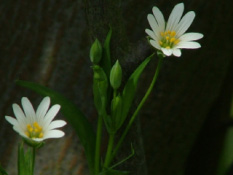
(159, 18)
(151, 34)
(176, 52)
(56, 124)
(54, 134)
(42, 109)
(153, 24)
(188, 45)
(28, 109)
(191, 36)
(175, 16)
(167, 52)
(20, 116)
(11, 120)
(50, 115)
(37, 139)
(19, 130)
(185, 23)
(155, 44)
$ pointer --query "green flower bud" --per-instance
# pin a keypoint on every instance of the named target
(96, 52)
(116, 75)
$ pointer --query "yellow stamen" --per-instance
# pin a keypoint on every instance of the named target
(160, 43)
(176, 41)
(41, 135)
(162, 34)
(30, 129)
(172, 40)
(173, 33)
(27, 133)
(168, 39)
(34, 130)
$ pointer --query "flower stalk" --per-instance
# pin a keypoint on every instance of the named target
(139, 107)
(98, 144)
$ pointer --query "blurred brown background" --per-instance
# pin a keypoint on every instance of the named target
(179, 130)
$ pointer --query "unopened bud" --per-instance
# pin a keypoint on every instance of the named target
(96, 52)
(116, 75)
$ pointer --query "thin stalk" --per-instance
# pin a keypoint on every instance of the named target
(33, 158)
(98, 144)
(139, 107)
(109, 150)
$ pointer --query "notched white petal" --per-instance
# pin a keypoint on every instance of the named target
(188, 45)
(51, 114)
(176, 52)
(54, 134)
(191, 36)
(43, 108)
(38, 139)
(17, 123)
(175, 16)
(20, 116)
(11, 120)
(159, 18)
(167, 52)
(151, 34)
(153, 23)
(19, 130)
(155, 44)
(28, 109)
(185, 23)
(56, 124)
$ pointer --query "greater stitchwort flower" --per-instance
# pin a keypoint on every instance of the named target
(36, 126)
(170, 37)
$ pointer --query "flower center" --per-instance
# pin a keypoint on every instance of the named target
(168, 39)
(34, 131)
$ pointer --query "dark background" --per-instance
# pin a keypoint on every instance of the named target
(180, 129)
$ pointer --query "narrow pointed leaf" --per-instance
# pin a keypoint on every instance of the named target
(130, 88)
(73, 115)
(106, 60)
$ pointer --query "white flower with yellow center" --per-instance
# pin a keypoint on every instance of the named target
(170, 37)
(36, 126)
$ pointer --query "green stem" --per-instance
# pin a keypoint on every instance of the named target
(33, 158)
(139, 106)
(98, 144)
(109, 150)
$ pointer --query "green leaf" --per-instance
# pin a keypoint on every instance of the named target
(106, 60)
(130, 89)
(226, 157)
(2, 171)
(73, 115)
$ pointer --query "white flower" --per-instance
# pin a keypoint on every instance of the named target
(169, 37)
(36, 126)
